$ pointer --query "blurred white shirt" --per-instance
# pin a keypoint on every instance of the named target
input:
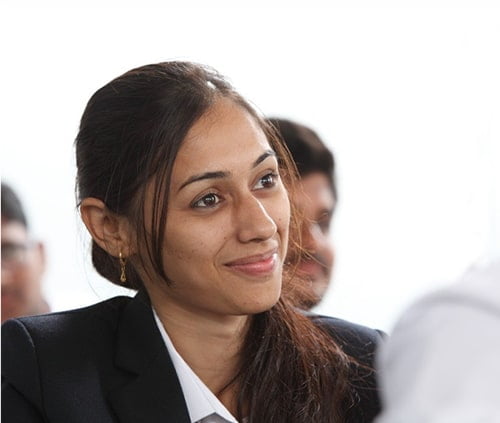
(442, 361)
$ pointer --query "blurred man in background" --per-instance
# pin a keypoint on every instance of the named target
(23, 262)
(316, 200)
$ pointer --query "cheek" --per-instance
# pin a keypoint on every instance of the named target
(33, 287)
(178, 248)
(26, 278)
(329, 254)
(25, 283)
(191, 243)
(281, 213)
(332, 257)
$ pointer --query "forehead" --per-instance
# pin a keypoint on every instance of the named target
(13, 231)
(315, 181)
(226, 137)
(318, 190)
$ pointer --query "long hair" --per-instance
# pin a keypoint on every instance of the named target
(129, 137)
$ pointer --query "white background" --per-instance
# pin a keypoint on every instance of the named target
(407, 95)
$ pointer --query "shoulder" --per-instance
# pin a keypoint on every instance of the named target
(472, 302)
(81, 331)
(431, 342)
(478, 288)
(65, 344)
(356, 340)
(72, 323)
(56, 335)
(467, 314)
(360, 343)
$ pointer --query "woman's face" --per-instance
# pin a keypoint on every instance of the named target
(227, 219)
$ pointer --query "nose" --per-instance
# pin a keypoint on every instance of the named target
(254, 223)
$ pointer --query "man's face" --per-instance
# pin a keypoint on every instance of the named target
(317, 203)
(22, 270)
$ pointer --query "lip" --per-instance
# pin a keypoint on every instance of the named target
(256, 265)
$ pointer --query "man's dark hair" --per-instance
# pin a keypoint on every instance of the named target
(12, 209)
(309, 152)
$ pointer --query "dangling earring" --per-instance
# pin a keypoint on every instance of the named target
(123, 262)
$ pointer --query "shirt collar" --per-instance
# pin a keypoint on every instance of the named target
(200, 401)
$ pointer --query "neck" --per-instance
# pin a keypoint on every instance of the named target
(210, 344)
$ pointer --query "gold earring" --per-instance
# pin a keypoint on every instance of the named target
(123, 262)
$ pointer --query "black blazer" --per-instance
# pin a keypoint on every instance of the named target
(108, 363)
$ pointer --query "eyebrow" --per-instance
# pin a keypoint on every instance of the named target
(225, 174)
(263, 156)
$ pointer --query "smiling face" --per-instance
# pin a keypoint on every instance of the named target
(227, 219)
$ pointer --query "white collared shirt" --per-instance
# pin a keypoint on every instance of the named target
(203, 406)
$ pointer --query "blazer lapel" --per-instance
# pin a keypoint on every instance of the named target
(153, 394)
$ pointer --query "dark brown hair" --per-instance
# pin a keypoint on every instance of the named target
(308, 151)
(129, 137)
(12, 209)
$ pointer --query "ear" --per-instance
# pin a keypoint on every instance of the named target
(109, 230)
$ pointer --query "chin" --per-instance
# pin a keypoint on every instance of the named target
(262, 303)
(319, 287)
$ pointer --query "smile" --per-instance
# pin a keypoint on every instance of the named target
(256, 265)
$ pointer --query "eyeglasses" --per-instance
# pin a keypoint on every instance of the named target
(14, 254)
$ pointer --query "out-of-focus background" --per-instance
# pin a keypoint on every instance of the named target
(406, 94)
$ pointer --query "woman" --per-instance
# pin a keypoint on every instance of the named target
(182, 188)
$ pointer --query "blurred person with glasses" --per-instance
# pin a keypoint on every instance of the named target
(23, 262)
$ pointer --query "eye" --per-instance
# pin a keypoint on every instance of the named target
(13, 252)
(324, 222)
(267, 181)
(207, 201)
